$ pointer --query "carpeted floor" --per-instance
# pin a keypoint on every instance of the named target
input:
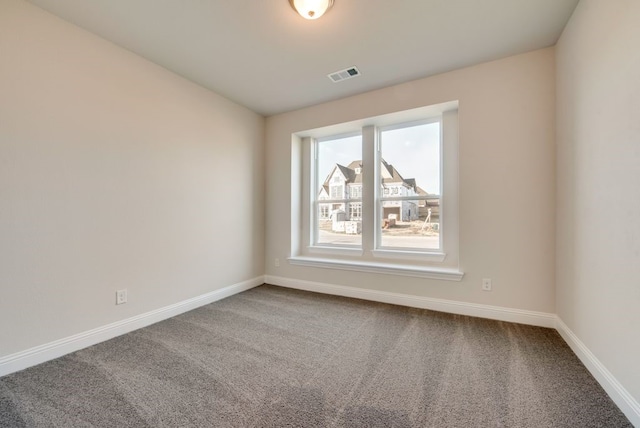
(274, 357)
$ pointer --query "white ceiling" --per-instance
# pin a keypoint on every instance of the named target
(261, 54)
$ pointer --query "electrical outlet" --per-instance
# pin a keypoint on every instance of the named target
(486, 284)
(277, 262)
(121, 297)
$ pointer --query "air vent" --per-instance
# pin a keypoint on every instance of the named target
(345, 74)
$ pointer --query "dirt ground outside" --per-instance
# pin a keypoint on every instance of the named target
(404, 234)
(401, 228)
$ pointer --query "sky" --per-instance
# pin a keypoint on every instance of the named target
(413, 151)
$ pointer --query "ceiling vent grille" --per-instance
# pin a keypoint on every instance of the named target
(347, 73)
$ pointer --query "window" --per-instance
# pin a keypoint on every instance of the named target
(337, 192)
(410, 158)
(355, 211)
(336, 157)
(382, 196)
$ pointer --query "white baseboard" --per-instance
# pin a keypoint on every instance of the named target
(39, 354)
(541, 319)
(49, 351)
(620, 396)
(629, 406)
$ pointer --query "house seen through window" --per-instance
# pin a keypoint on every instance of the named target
(339, 191)
(406, 199)
(379, 194)
(409, 177)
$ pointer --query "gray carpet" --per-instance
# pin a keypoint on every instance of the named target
(274, 357)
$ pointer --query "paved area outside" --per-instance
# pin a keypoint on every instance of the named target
(403, 235)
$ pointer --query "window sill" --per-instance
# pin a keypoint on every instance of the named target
(409, 255)
(382, 268)
(337, 251)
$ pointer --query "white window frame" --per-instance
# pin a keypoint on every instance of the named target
(393, 252)
(370, 256)
(315, 201)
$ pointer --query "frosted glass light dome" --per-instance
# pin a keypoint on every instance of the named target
(311, 9)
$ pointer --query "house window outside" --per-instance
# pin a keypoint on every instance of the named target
(337, 192)
(355, 211)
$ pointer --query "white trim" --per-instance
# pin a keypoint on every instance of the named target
(39, 354)
(620, 396)
(425, 256)
(623, 399)
(304, 209)
(541, 319)
(49, 351)
(382, 268)
(336, 251)
(354, 127)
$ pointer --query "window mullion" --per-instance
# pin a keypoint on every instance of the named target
(308, 184)
(369, 209)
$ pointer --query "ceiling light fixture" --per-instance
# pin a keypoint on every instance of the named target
(311, 9)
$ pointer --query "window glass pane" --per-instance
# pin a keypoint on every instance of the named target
(339, 178)
(410, 166)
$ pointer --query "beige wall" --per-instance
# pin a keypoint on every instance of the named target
(507, 180)
(114, 173)
(598, 220)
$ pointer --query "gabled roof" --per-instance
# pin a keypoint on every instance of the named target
(352, 166)
(349, 172)
(395, 176)
(420, 191)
